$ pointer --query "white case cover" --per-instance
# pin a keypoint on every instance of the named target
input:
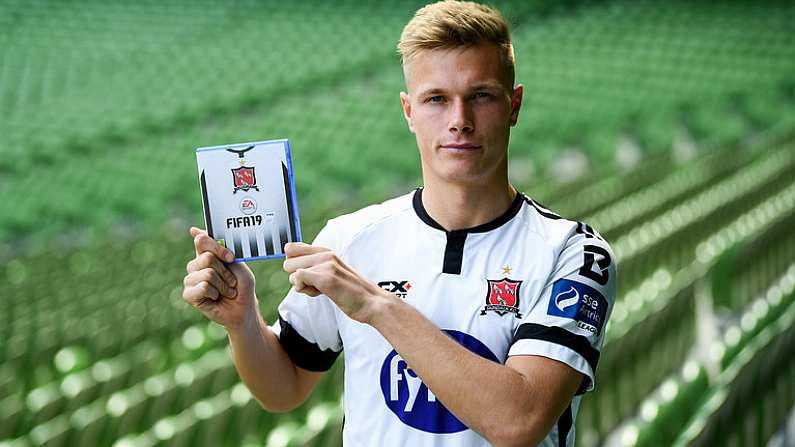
(249, 197)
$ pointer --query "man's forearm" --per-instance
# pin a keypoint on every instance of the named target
(465, 382)
(264, 367)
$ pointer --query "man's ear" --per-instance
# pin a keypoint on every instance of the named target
(516, 103)
(405, 102)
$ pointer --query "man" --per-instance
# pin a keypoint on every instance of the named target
(470, 315)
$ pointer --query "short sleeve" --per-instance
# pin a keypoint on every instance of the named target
(567, 320)
(307, 326)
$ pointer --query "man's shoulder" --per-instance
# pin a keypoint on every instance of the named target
(556, 229)
(344, 228)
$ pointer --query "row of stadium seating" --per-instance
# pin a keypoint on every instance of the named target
(685, 113)
(588, 78)
(38, 308)
(139, 251)
(749, 398)
(662, 308)
(662, 413)
(144, 253)
(44, 401)
(667, 409)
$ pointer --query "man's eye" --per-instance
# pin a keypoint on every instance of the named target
(434, 99)
(482, 95)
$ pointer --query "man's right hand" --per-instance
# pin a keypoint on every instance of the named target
(223, 291)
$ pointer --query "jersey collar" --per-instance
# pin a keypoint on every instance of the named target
(501, 220)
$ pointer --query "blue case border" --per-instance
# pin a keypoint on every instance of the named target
(258, 258)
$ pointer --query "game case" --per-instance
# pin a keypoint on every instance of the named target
(249, 199)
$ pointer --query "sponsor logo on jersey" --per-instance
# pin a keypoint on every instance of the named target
(399, 288)
(244, 179)
(502, 297)
(248, 206)
(580, 302)
(412, 402)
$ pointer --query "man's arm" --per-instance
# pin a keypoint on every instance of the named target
(524, 397)
(529, 392)
(224, 293)
(270, 375)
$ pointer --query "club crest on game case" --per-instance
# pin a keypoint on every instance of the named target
(244, 179)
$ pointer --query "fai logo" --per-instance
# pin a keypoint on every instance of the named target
(502, 297)
(412, 402)
(580, 302)
(244, 179)
(399, 288)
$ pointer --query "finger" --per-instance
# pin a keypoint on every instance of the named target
(298, 279)
(211, 277)
(301, 249)
(295, 281)
(209, 260)
(204, 243)
(224, 272)
(311, 291)
(200, 262)
(215, 280)
(196, 295)
(291, 264)
(196, 231)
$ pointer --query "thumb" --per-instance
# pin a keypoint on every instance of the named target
(196, 231)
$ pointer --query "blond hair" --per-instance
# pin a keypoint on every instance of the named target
(451, 24)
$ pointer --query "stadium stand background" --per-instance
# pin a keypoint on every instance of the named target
(667, 126)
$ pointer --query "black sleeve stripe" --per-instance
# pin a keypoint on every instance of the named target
(565, 422)
(560, 336)
(303, 352)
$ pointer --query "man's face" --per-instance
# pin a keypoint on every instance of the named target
(461, 110)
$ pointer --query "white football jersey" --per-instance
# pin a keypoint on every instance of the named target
(527, 283)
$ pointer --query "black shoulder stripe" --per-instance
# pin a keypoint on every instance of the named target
(542, 210)
(303, 352)
(560, 336)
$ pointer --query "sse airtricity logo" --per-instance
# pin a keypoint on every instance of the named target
(580, 302)
(412, 401)
(567, 299)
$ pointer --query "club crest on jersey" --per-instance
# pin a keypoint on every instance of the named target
(502, 297)
(244, 179)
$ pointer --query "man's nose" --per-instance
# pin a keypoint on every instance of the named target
(460, 117)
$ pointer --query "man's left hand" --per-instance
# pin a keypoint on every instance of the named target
(316, 270)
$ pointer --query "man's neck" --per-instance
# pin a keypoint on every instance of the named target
(457, 206)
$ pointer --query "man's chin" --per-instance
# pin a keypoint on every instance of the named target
(463, 176)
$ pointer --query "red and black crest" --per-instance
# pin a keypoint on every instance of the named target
(502, 297)
(244, 179)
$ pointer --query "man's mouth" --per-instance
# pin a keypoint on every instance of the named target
(461, 146)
